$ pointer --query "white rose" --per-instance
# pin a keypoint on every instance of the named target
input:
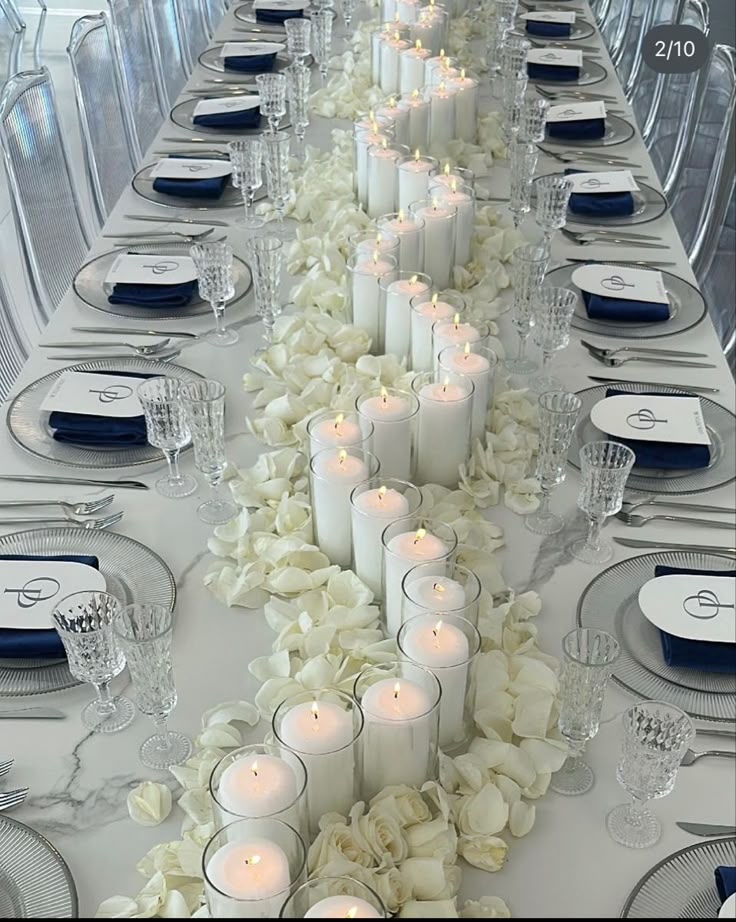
(337, 840)
(487, 907)
(405, 804)
(429, 909)
(378, 834)
(430, 879)
(436, 839)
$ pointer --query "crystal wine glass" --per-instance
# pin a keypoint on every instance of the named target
(514, 53)
(277, 148)
(553, 312)
(246, 156)
(528, 266)
(267, 260)
(656, 735)
(558, 414)
(204, 405)
(167, 429)
(84, 622)
(523, 160)
(495, 35)
(322, 40)
(214, 264)
(298, 39)
(513, 88)
(553, 195)
(272, 93)
(604, 468)
(298, 81)
(532, 121)
(144, 633)
(506, 11)
(589, 657)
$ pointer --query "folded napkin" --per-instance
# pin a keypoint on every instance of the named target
(550, 29)
(600, 204)
(189, 188)
(155, 296)
(16, 643)
(277, 15)
(582, 129)
(238, 118)
(250, 63)
(726, 882)
(600, 307)
(552, 72)
(81, 429)
(663, 455)
(705, 655)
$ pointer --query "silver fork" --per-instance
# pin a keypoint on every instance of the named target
(585, 240)
(628, 518)
(608, 353)
(692, 756)
(631, 505)
(10, 799)
(616, 362)
(82, 508)
(142, 350)
(5, 767)
(159, 219)
(94, 524)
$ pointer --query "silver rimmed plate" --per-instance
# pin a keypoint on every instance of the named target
(591, 72)
(131, 570)
(611, 603)
(682, 886)
(183, 116)
(230, 198)
(35, 882)
(687, 308)
(90, 285)
(618, 131)
(720, 425)
(648, 206)
(31, 433)
(212, 59)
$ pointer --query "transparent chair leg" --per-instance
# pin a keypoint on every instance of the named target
(107, 714)
(166, 747)
(216, 511)
(175, 485)
(221, 336)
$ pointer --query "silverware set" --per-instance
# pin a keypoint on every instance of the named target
(72, 513)
(610, 353)
(178, 334)
(610, 237)
(91, 524)
(655, 356)
(691, 756)
(177, 219)
(83, 507)
(572, 156)
(10, 799)
(707, 829)
(74, 481)
(636, 521)
(631, 505)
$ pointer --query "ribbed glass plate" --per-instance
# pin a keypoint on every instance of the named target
(591, 72)
(618, 131)
(35, 882)
(132, 572)
(212, 59)
(29, 431)
(720, 424)
(610, 603)
(682, 886)
(183, 116)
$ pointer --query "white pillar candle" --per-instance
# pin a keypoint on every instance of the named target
(453, 333)
(464, 201)
(413, 176)
(436, 593)
(459, 360)
(411, 67)
(410, 231)
(398, 313)
(424, 315)
(443, 440)
(439, 239)
(256, 870)
(342, 907)
(408, 10)
(424, 31)
(381, 179)
(364, 139)
(441, 117)
(398, 112)
(380, 241)
(438, 69)
(443, 648)
(391, 415)
(321, 733)
(466, 106)
(335, 431)
(390, 51)
(365, 275)
(388, 10)
(257, 785)
(437, 21)
(377, 38)
(335, 473)
(418, 120)
(371, 512)
(403, 552)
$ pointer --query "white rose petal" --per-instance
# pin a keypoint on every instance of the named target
(521, 818)
(149, 803)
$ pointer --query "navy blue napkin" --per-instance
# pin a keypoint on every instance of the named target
(705, 655)
(552, 72)
(190, 188)
(16, 643)
(81, 429)
(238, 118)
(277, 15)
(155, 296)
(550, 29)
(582, 129)
(725, 882)
(663, 455)
(250, 63)
(600, 307)
(600, 204)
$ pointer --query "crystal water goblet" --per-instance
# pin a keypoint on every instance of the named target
(514, 53)
(588, 659)
(167, 429)
(513, 88)
(505, 11)
(553, 195)
(656, 736)
(204, 405)
(272, 93)
(495, 30)
(276, 149)
(604, 468)
(246, 156)
(532, 121)
(267, 262)
(298, 81)
(322, 40)
(523, 161)
(528, 266)
(299, 38)
(84, 623)
(553, 312)
(214, 264)
(558, 414)
(144, 633)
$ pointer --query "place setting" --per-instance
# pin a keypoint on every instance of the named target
(196, 180)
(563, 66)
(555, 25)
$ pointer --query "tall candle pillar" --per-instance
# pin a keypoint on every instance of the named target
(411, 67)
(418, 105)
(443, 439)
(390, 415)
(410, 231)
(479, 364)
(396, 299)
(364, 273)
(382, 161)
(398, 111)
(391, 48)
(439, 238)
(441, 117)
(363, 139)
(413, 178)
(466, 106)
(463, 199)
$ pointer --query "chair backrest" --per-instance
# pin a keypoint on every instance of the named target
(12, 33)
(174, 69)
(38, 40)
(104, 112)
(48, 217)
(615, 27)
(214, 10)
(716, 283)
(14, 348)
(192, 29)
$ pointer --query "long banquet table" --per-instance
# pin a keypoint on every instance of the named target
(567, 866)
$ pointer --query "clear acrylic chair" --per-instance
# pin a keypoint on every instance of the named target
(48, 218)
(214, 10)
(104, 112)
(165, 26)
(14, 347)
(615, 27)
(716, 283)
(192, 29)
(38, 40)
(12, 33)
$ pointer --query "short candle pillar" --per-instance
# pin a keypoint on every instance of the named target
(334, 898)
(413, 178)
(479, 364)
(457, 591)
(397, 110)
(443, 437)
(369, 242)
(426, 310)
(456, 333)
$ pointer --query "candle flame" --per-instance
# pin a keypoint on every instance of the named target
(417, 154)
(401, 214)
(437, 628)
(421, 532)
(447, 168)
(374, 126)
(456, 320)
(444, 384)
(382, 492)
(434, 299)
(397, 689)
(254, 768)
(396, 17)
(339, 419)
(466, 350)
(315, 706)
(462, 73)
(352, 913)
(392, 102)
(438, 587)
(342, 455)
(384, 394)
(384, 143)
(453, 185)
(415, 94)
(442, 52)
(442, 86)
(254, 859)
(397, 37)
(375, 256)
(413, 280)
(379, 238)
(418, 44)
(371, 115)
(434, 202)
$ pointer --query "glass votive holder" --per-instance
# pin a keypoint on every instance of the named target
(390, 416)
(438, 18)
(334, 898)
(441, 112)
(333, 472)
(261, 780)
(412, 178)
(394, 108)
(454, 590)
(426, 309)
(439, 238)
(395, 311)
(447, 645)
(479, 363)
(371, 241)
(364, 272)
(410, 232)
(418, 104)
(332, 429)
(363, 138)
(323, 728)
(406, 543)
(462, 197)
(457, 332)
(250, 867)
(381, 193)
(400, 741)
(448, 173)
(467, 90)
(391, 48)
(374, 505)
(443, 427)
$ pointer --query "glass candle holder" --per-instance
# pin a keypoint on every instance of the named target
(396, 109)
(441, 114)
(374, 505)
(400, 741)
(408, 10)
(448, 173)
(462, 198)
(458, 332)
(394, 302)
(437, 17)
(467, 90)
(411, 61)
(369, 242)
(406, 543)
(391, 47)
(443, 427)
(377, 37)
(364, 272)
(382, 160)
(438, 70)
(409, 230)
(418, 104)
(446, 645)
(439, 238)
(258, 781)
(334, 898)
(338, 429)
(323, 728)
(388, 419)
(413, 172)
(365, 136)
(454, 590)
(426, 310)
(479, 363)
(250, 867)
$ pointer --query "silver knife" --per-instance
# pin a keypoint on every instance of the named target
(165, 219)
(696, 389)
(672, 545)
(81, 481)
(180, 334)
(32, 713)
(156, 357)
(622, 262)
(707, 829)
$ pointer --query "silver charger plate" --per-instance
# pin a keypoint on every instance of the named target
(212, 59)
(687, 308)
(649, 204)
(143, 186)
(682, 885)
(610, 602)
(591, 72)
(29, 431)
(35, 881)
(129, 568)
(720, 424)
(90, 286)
(618, 131)
(183, 116)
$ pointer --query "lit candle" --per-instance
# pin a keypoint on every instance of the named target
(418, 120)
(413, 175)
(381, 178)
(441, 117)
(455, 333)
(439, 238)
(401, 553)
(462, 197)
(435, 593)
(388, 9)
(407, 10)
(377, 38)
(411, 67)
(333, 431)
(372, 510)
(436, 17)
(445, 177)
(366, 273)
(256, 870)
(391, 413)
(437, 70)
(257, 785)
(424, 315)
(365, 138)
(398, 313)
(380, 241)
(466, 106)
(391, 48)
(342, 907)
(443, 440)
(398, 111)
(410, 231)
(334, 474)
(424, 30)
(459, 360)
